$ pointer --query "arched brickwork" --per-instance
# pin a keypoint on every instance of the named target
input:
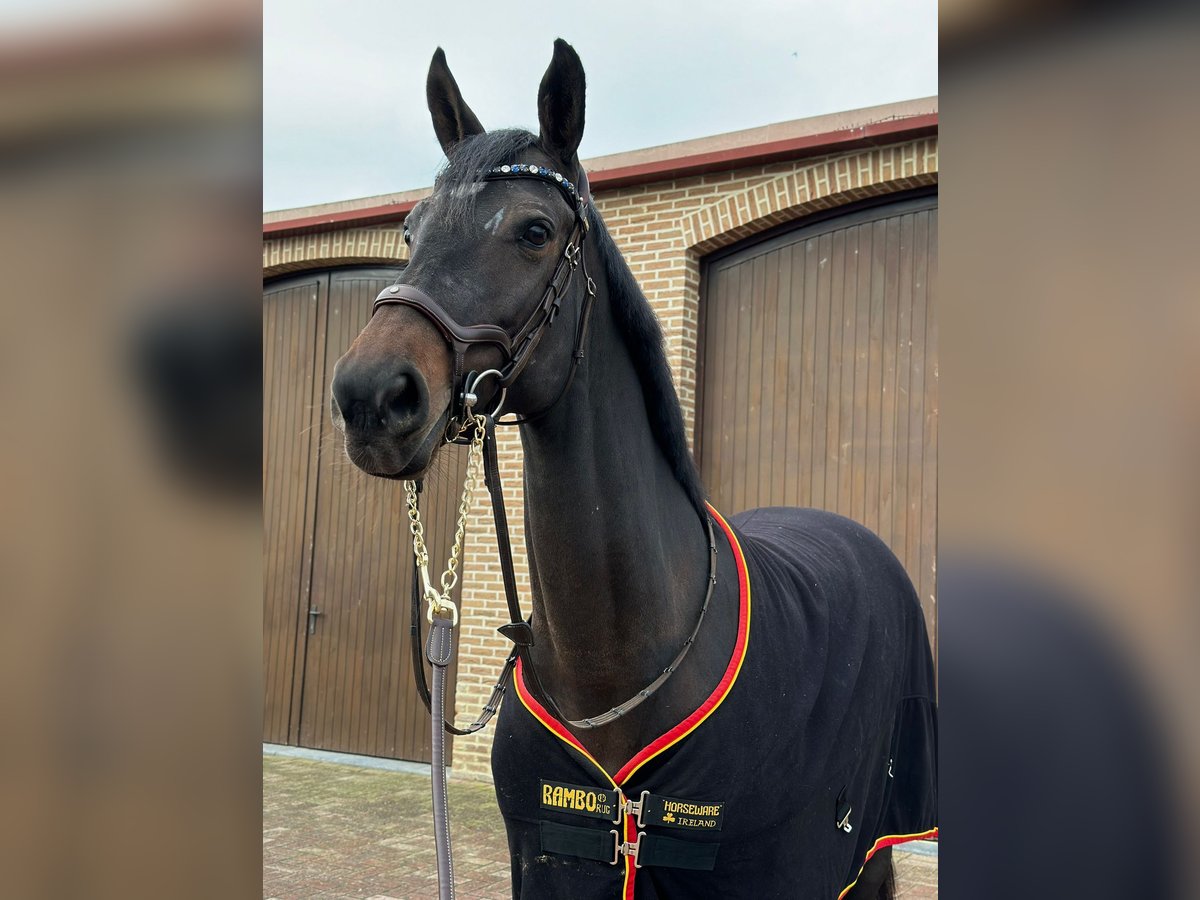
(667, 228)
(382, 245)
(820, 185)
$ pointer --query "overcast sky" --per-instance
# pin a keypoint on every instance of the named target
(344, 112)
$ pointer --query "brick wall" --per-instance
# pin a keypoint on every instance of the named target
(664, 229)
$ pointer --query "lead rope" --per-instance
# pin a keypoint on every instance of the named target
(439, 650)
(443, 617)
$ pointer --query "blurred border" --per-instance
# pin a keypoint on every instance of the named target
(129, 203)
(1068, 487)
(130, 188)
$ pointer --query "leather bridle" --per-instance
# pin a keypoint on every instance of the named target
(516, 350)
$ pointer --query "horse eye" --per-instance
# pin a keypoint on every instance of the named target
(407, 236)
(537, 235)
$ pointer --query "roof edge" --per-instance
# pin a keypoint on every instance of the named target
(797, 139)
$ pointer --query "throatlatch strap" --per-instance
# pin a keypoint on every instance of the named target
(491, 478)
(517, 629)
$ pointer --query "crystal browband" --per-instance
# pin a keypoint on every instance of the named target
(542, 172)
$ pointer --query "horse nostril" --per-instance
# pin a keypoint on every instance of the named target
(399, 400)
(372, 398)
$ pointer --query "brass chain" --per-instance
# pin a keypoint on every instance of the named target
(415, 526)
(439, 602)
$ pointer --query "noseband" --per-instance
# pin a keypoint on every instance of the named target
(516, 350)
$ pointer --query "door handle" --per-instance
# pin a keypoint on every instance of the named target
(313, 612)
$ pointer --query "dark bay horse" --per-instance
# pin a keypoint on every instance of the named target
(795, 742)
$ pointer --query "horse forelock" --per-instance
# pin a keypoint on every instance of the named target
(461, 176)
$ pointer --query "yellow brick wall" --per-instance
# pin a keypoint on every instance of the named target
(664, 229)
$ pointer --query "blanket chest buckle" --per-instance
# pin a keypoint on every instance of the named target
(627, 848)
(634, 807)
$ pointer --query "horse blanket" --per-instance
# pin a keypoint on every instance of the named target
(817, 747)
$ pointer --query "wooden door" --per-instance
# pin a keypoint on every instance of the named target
(352, 676)
(818, 378)
(292, 311)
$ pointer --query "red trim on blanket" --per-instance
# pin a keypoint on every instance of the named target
(560, 731)
(688, 725)
(680, 731)
(887, 841)
(630, 868)
(556, 727)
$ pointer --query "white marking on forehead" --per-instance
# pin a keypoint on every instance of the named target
(493, 224)
(466, 190)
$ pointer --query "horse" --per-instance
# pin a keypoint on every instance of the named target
(772, 720)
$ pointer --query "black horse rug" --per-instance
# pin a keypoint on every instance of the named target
(817, 748)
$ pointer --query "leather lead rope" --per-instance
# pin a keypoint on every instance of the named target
(440, 652)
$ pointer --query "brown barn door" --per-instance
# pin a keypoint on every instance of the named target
(352, 676)
(358, 679)
(291, 315)
(818, 380)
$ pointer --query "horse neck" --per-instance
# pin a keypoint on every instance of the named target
(617, 552)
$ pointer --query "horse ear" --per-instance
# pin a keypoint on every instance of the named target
(560, 102)
(452, 118)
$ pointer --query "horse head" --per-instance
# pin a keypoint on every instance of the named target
(493, 251)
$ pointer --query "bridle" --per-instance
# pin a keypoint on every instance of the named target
(476, 429)
(516, 349)
(466, 426)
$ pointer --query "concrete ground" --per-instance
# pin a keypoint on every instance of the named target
(335, 831)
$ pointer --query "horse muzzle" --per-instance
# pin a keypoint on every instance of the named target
(383, 408)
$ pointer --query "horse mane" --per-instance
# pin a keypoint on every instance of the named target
(643, 337)
(465, 167)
